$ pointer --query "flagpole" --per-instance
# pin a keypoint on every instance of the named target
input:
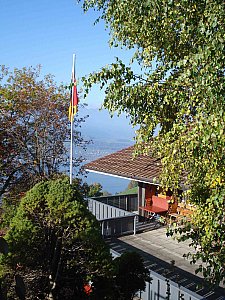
(71, 128)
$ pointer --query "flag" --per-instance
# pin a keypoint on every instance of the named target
(73, 96)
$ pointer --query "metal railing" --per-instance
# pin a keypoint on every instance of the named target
(160, 288)
(114, 221)
(125, 202)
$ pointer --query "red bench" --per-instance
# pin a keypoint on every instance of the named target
(158, 206)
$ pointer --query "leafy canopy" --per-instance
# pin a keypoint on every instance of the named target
(130, 275)
(52, 237)
(179, 84)
(34, 128)
(93, 190)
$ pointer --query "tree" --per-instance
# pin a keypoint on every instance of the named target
(130, 275)
(132, 188)
(34, 128)
(179, 47)
(93, 190)
(132, 184)
(51, 240)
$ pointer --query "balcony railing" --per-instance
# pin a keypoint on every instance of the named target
(125, 202)
(114, 221)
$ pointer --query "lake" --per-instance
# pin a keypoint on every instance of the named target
(110, 184)
(108, 135)
(98, 149)
(101, 148)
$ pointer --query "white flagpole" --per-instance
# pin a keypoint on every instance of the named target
(71, 132)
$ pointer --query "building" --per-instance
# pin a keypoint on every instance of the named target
(144, 169)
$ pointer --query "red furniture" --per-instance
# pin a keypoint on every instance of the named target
(157, 205)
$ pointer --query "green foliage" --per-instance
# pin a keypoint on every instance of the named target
(8, 210)
(52, 237)
(132, 184)
(93, 190)
(179, 47)
(130, 275)
(132, 188)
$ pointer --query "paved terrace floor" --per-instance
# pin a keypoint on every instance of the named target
(158, 251)
(165, 248)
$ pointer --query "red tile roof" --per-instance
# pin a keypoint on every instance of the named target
(142, 168)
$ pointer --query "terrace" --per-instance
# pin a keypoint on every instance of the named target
(145, 170)
(148, 208)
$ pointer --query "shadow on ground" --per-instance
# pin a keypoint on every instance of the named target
(170, 271)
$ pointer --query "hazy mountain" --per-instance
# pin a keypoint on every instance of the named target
(108, 135)
(100, 126)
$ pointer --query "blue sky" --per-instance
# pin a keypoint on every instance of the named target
(48, 32)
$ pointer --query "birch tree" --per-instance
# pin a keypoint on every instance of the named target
(175, 80)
